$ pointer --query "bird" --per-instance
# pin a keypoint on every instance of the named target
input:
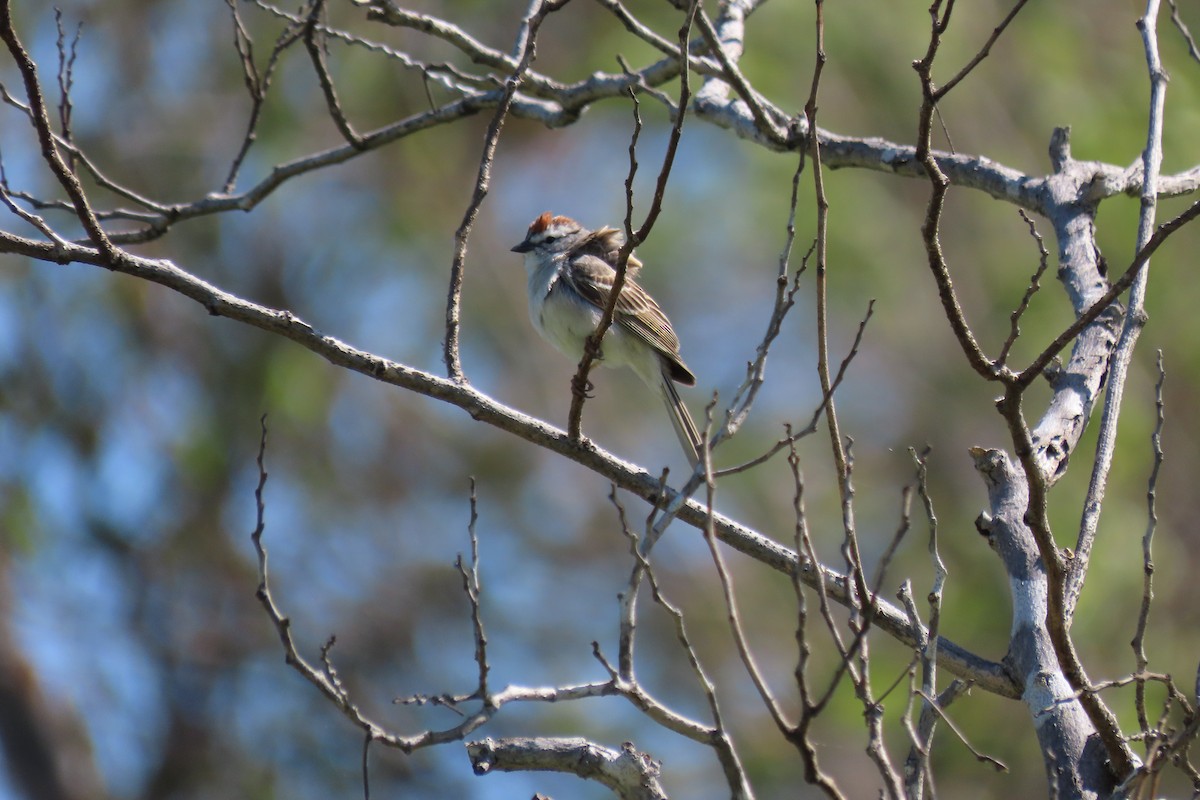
(571, 271)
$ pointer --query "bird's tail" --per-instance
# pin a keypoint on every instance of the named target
(681, 420)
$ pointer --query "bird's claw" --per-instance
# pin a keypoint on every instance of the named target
(582, 388)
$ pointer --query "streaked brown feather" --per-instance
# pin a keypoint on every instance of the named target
(606, 244)
(636, 311)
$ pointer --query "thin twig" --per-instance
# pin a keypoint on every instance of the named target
(6, 197)
(366, 773)
(592, 346)
(1193, 50)
(919, 756)
(1030, 291)
(1139, 638)
(939, 185)
(736, 627)
(716, 736)
(443, 73)
(943, 90)
(66, 78)
(843, 460)
(325, 677)
(628, 625)
(799, 735)
(318, 53)
(257, 83)
(795, 435)
(474, 590)
(734, 76)
(526, 45)
(46, 138)
(785, 298)
(917, 773)
(1135, 316)
(998, 765)
(101, 180)
(663, 45)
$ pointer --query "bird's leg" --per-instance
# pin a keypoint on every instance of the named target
(581, 385)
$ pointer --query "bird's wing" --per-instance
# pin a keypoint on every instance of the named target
(636, 311)
(605, 244)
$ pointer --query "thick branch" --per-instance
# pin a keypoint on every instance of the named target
(631, 775)
(1076, 762)
(988, 675)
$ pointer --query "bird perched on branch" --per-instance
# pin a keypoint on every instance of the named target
(571, 271)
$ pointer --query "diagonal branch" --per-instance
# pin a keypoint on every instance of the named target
(1030, 291)
(988, 675)
(983, 53)
(41, 123)
(1142, 257)
(939, 185)
(320, 58)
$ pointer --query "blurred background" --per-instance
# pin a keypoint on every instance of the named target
(129, 418)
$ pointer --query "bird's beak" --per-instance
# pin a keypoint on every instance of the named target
(523, 247)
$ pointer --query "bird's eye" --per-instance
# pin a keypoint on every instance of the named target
(549, 238)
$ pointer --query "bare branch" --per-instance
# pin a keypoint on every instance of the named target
(939, 185)
(1030, 291)
(257, 82)
(793, 435)
(6, 196)
(66, 77)
(50, 154)
(1139, 637)
(320, 59)
(861, 600)
(1135, 316)
(799, 735)
(324, 679)
(1193, 50)
(702, 65)
(1036, 518)
(442, 73)
(785, 298)
(989, 675)
(986, 759)
(721, 49)
(715, 736)
(527, 46)
(630, 774)
(591, 349)
(366, 773)
(841, 459)
(505, 83)
(1140, 259)
(917, 766)
(473, 590)
(983, 53)
(733, 617)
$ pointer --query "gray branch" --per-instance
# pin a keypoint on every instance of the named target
(1075, 758)
(988, 675)
(630, 774)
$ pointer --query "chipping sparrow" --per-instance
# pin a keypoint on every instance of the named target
(570, 272)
